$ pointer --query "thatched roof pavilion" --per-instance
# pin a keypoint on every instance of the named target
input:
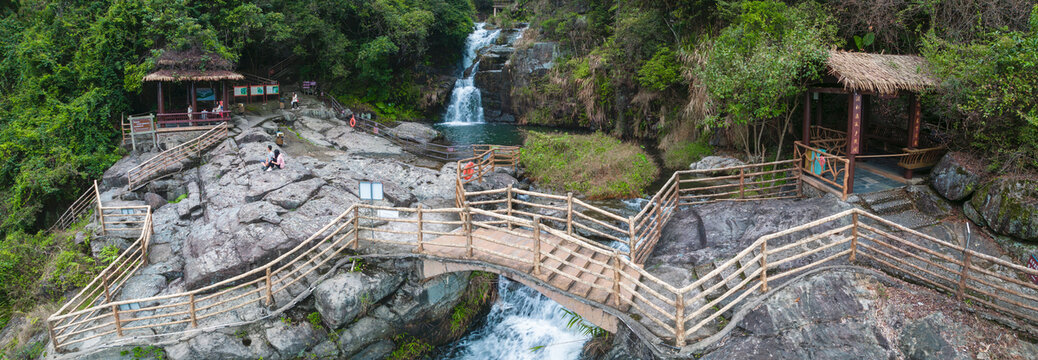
(880, 73)
(192, 65)
(861, 77)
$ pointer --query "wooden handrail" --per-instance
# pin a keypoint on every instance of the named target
(140, 174)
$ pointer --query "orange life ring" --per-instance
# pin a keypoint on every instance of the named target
(469, 170)
(353, 121)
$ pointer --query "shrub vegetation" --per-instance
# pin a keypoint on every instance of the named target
(596, 165)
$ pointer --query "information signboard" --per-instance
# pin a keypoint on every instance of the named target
(241, 91)
(273, 89)
(371, 190)
(141, 124)
(256, 90)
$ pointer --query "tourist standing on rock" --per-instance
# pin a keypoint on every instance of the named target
(279, 161)
(295, 100)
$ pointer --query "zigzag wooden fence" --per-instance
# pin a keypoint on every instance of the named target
(542, 245)
(83, 206)
(159, 164)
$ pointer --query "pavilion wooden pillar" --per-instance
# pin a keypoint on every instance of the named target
(914, 120)
(162, 107)
(854, 104)
(806, 133)
(194, 99)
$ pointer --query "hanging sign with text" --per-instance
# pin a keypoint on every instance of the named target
(855, 133)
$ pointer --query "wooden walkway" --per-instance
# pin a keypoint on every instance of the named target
(568, 266)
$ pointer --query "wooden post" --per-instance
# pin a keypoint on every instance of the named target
(467, 223)
(616, 278)
(104, 283)
(194, 315)
(742, 183)
(118, 324)
(100, 209)
(806, 132)
(679, 319)
(853, 139)
(764, 266)
(569, 213)
(420, 247)
(53, 336)
(162, 107)
(964, 274)
(356, 227)
(537, 245)
(854, 236)
(509, 195)
(914, 116)
(632, 234)
(270, 296)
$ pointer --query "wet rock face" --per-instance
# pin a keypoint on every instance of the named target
(503, 67)
(952, 180)
(1009, 207)
(341, 298)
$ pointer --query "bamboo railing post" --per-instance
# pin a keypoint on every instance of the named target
(742, 182)
(569, 213)
(616, 278)
(420, 247)
(194, 315)
(764, 266)
(854, 236)
(509, 201)
(53, 336)
(118, 324)
(964, 274)
(104, 283)
(632, 234)
(100, 209)
(356, 227)
(270, 296)
(467, 223)
(537, 245)
(679, 319)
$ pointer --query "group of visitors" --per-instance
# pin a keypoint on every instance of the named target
(217, 112)
(275, 159)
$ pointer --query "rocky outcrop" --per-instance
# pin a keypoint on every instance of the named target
(715, 162)
(952, 179)
(341, 298)
(417, 132)
(504, 67)
(1009, 207)
(844, 314)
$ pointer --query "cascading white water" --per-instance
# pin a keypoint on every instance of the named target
(466, 106)
(520, 321)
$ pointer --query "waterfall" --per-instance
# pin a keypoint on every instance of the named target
(466, 106)
(519, 321)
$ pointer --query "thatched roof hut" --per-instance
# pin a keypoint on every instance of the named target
(880, 73)
(192, 65)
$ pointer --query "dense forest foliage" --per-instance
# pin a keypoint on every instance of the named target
(681, 71)
(68, 69)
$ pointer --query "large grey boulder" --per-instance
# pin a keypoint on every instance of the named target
(344, 296)
(715, 162)
(1009, 207)
(925, 339)
(154, 200)
(414, 131)
(291, 339)
(217, 345)
(953, 180)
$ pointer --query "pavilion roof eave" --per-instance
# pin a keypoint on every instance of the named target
(182, 75)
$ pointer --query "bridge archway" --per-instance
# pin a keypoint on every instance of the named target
(590, 313)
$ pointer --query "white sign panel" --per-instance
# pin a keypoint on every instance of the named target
(370, 190)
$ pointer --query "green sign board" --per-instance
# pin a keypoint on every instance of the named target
(273, 89)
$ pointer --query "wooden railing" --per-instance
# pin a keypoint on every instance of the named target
(82, 207)
(166, 120)
(831, 169)
(921, 158)
(139, 175)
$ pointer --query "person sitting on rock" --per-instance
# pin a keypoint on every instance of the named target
(295, 101)
(270, 156)
(279, 161)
